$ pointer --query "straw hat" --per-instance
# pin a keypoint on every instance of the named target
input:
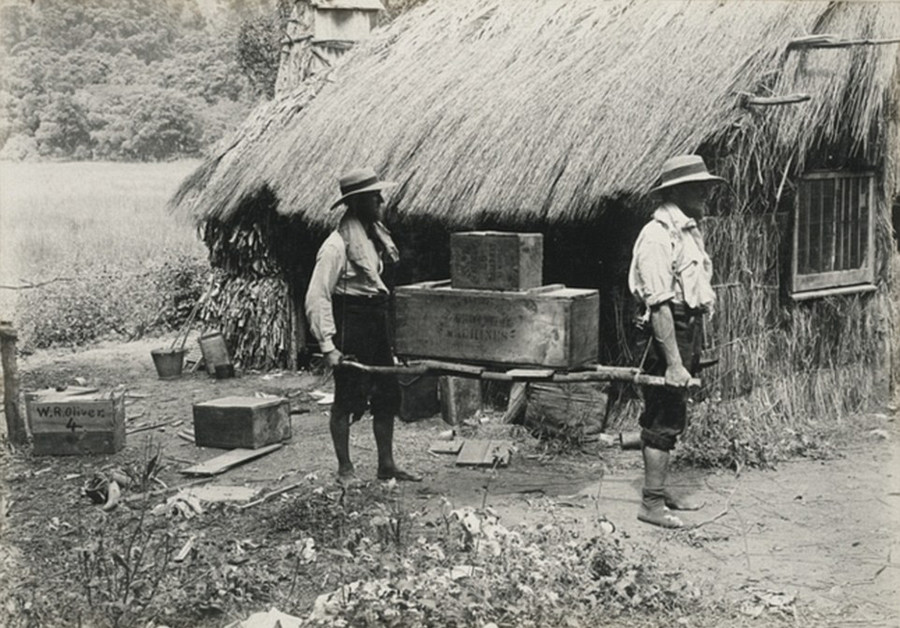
(684, 169)
(360, 181)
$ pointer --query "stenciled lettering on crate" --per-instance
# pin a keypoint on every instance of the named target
(554, 326)
(496, 260)
(65, 425)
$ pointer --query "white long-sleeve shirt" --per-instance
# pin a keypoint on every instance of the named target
(334, 274)
(670, 263)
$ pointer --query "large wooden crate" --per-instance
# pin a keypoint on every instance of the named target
(65, 425)
(496, 260)
(552, 326)
(247, 422)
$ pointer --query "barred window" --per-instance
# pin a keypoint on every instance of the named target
(833, 233)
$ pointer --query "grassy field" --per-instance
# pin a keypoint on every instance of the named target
(99, 232)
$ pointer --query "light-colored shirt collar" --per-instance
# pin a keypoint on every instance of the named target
(672, 218)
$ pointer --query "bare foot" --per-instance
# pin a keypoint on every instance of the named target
(399, 475)
(659, 516)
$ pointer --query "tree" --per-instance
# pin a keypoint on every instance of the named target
(258, 53)
(63, 130)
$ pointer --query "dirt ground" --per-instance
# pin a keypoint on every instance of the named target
(817, 538)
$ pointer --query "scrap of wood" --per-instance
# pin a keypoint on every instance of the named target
(220, 493)
(224, 462)
(160, 491)
(185, 549)
(518, 401)
(283, 489)
(484, 453)
(446, 446)
(186, 435)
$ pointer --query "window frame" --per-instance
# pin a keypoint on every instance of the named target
(809, 285)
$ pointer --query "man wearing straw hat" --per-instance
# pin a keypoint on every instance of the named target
(347, 305)
(671, 275)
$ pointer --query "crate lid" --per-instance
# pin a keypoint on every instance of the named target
(243, 402)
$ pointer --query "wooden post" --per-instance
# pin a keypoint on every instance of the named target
(15, 424)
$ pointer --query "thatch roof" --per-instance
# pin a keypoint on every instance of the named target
(530, 110)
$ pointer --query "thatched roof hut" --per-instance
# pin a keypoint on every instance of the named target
(539, 111)
(557, 116)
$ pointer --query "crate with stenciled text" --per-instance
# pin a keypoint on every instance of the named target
(65, 425)
(496, 260)
(552, 326)
(246, 422)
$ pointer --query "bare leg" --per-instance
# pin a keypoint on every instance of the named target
(383, 426)
(340, 437)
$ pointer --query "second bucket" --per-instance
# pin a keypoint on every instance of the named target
(215, 354)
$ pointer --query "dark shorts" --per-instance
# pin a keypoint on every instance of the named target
(364, 334)
(665, 410)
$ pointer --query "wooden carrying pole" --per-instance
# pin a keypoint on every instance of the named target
(594, 374)
(15, 423)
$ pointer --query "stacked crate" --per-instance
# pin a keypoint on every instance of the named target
(495, 310)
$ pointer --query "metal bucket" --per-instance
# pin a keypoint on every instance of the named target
(168, 362)
(215, 353)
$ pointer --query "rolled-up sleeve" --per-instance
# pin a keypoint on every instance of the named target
(651, 277)
(329, 263)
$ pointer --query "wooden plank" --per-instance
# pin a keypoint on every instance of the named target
(220, 464)
(484, 453)
(446, 446)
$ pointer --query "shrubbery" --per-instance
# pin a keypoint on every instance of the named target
(113, 303)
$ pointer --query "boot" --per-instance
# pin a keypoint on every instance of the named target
(653, 496)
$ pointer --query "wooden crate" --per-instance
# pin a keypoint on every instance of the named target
(571, 411)
(460, 398)
(496, 260)
(64, 424)
(418, 397)
(246, 422)
(555, 326)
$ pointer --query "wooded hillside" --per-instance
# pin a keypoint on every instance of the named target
(130, 79)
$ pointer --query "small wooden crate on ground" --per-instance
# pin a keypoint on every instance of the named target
(496, 260)
(246, 422)
(66, 424)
